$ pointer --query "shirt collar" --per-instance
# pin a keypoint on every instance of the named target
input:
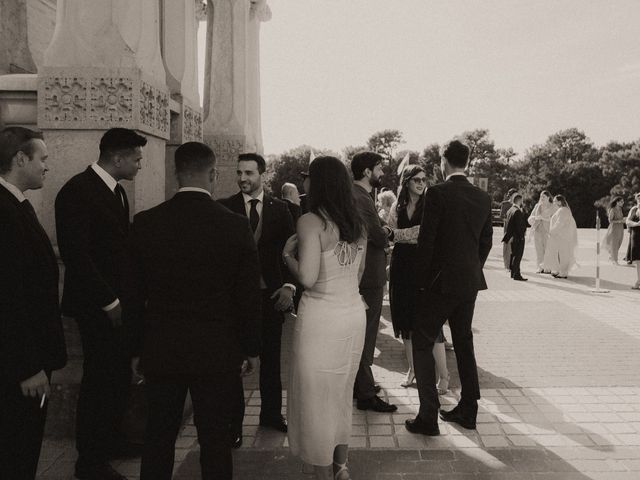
(248, 198)
(454, 174)
(517, 206)
(13, 189)
(193, 189)
(105, 176)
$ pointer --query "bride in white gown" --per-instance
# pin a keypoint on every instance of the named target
(326, 255)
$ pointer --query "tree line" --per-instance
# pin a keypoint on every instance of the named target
(567, 163)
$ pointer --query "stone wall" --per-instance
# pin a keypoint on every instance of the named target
(41, 21)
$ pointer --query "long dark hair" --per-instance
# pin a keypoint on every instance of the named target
(408, 173)
(331, 198)
(613, 202)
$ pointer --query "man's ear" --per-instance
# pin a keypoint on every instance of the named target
(21, 158)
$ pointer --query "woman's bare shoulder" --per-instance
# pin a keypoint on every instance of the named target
(310, 221)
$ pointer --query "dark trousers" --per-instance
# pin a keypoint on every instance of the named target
(433, 310)
(517, 250)
(21, 429)
(212, 413)
(270, 381)
(364, 387)
(104, 389)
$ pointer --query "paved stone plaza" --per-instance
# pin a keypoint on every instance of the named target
(560, 376)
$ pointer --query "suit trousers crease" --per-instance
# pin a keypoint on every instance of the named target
(270, 379)
(364, 387)
(517, 251)
(104, 388)
(21, 430)
(437, 308)
(212, 415)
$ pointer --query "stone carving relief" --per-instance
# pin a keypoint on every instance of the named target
(226, 149)
(192, 125)
(111, 100)
(154, 108)
(65, 99)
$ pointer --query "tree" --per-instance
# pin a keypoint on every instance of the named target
(430, 161)
(620, 164)
(385, 142)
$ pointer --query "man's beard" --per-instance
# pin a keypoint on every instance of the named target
(375, 182)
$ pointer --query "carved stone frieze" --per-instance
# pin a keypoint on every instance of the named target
(226, 149)
(154, 108)
(65, 99)
(112, 100)
(191, 124)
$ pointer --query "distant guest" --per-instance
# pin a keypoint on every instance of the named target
(504, 208)
(540, 220)
(385, 201)
(615, 232)
(563, 240)
(289, 193)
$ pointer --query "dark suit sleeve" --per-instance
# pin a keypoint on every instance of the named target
(247, 296)
(135, 291)
(20, 358)
(376, 235)
(508, 232)
(431, 217)
(486, 238)
(72, 218)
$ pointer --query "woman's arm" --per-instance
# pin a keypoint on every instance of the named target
(306, 266)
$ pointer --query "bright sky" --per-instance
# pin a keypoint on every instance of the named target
(335, 71)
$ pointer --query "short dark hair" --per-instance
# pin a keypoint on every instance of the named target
(456, 153)
(562, 200)
(254, 157)
(194, 157)
(116, 140)
(363, 160)
(516, 197)
(512, 191)
(14, 140)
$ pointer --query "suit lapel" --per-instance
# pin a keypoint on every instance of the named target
(108, 199)
(267, 212)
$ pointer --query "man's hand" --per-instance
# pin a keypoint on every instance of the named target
(249, 366)
(284, 298)
(115, 316)
(36, 386)
(135, 369)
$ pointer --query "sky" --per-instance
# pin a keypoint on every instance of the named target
(335, 71)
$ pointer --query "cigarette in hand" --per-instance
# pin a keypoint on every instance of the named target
(44, 396)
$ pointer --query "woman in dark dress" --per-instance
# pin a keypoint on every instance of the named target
(633, 222)
(404, 219)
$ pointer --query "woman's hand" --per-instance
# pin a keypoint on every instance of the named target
(291, 247)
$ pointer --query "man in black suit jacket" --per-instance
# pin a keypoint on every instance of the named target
(272, 225)
(515, 231)
(92, 220)
(31, 337)
(453, 244)
(195, 309)
(367, 172)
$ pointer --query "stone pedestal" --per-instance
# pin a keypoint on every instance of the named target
(15, 56)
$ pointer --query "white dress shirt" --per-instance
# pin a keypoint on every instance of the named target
(13, 189)
(454, 174)
(194, 189)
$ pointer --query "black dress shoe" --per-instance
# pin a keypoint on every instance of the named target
(237, 442)
(279, 424)
(520, 279)
(418, 426)
(456, 416)
(377, 388)
(103, 471)
(376, 404)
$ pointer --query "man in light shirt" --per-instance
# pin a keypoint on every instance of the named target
(92, 220)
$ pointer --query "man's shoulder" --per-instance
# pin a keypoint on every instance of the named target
(79, 182)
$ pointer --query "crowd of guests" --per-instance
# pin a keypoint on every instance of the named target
(192, 295)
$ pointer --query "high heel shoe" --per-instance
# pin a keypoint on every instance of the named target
(342, 473)
(409, 379)
(443, 385)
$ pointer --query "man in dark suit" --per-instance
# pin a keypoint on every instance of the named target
(506, 204)
(367, 172)
(31, 337)
(272, 225)
(92, 220)
(515, 231)
(453, 244)
(291, 196)
(195, 311)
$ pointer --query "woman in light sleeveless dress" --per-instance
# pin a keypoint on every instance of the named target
(326, 256)
(560, 255)
(615, 233)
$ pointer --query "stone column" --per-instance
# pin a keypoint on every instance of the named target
(15, 56)
(103, 69)
(231, 85)
(180, 53)
(260, 12)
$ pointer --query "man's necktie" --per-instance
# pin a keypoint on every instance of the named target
(119, 191)
(254, 218)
